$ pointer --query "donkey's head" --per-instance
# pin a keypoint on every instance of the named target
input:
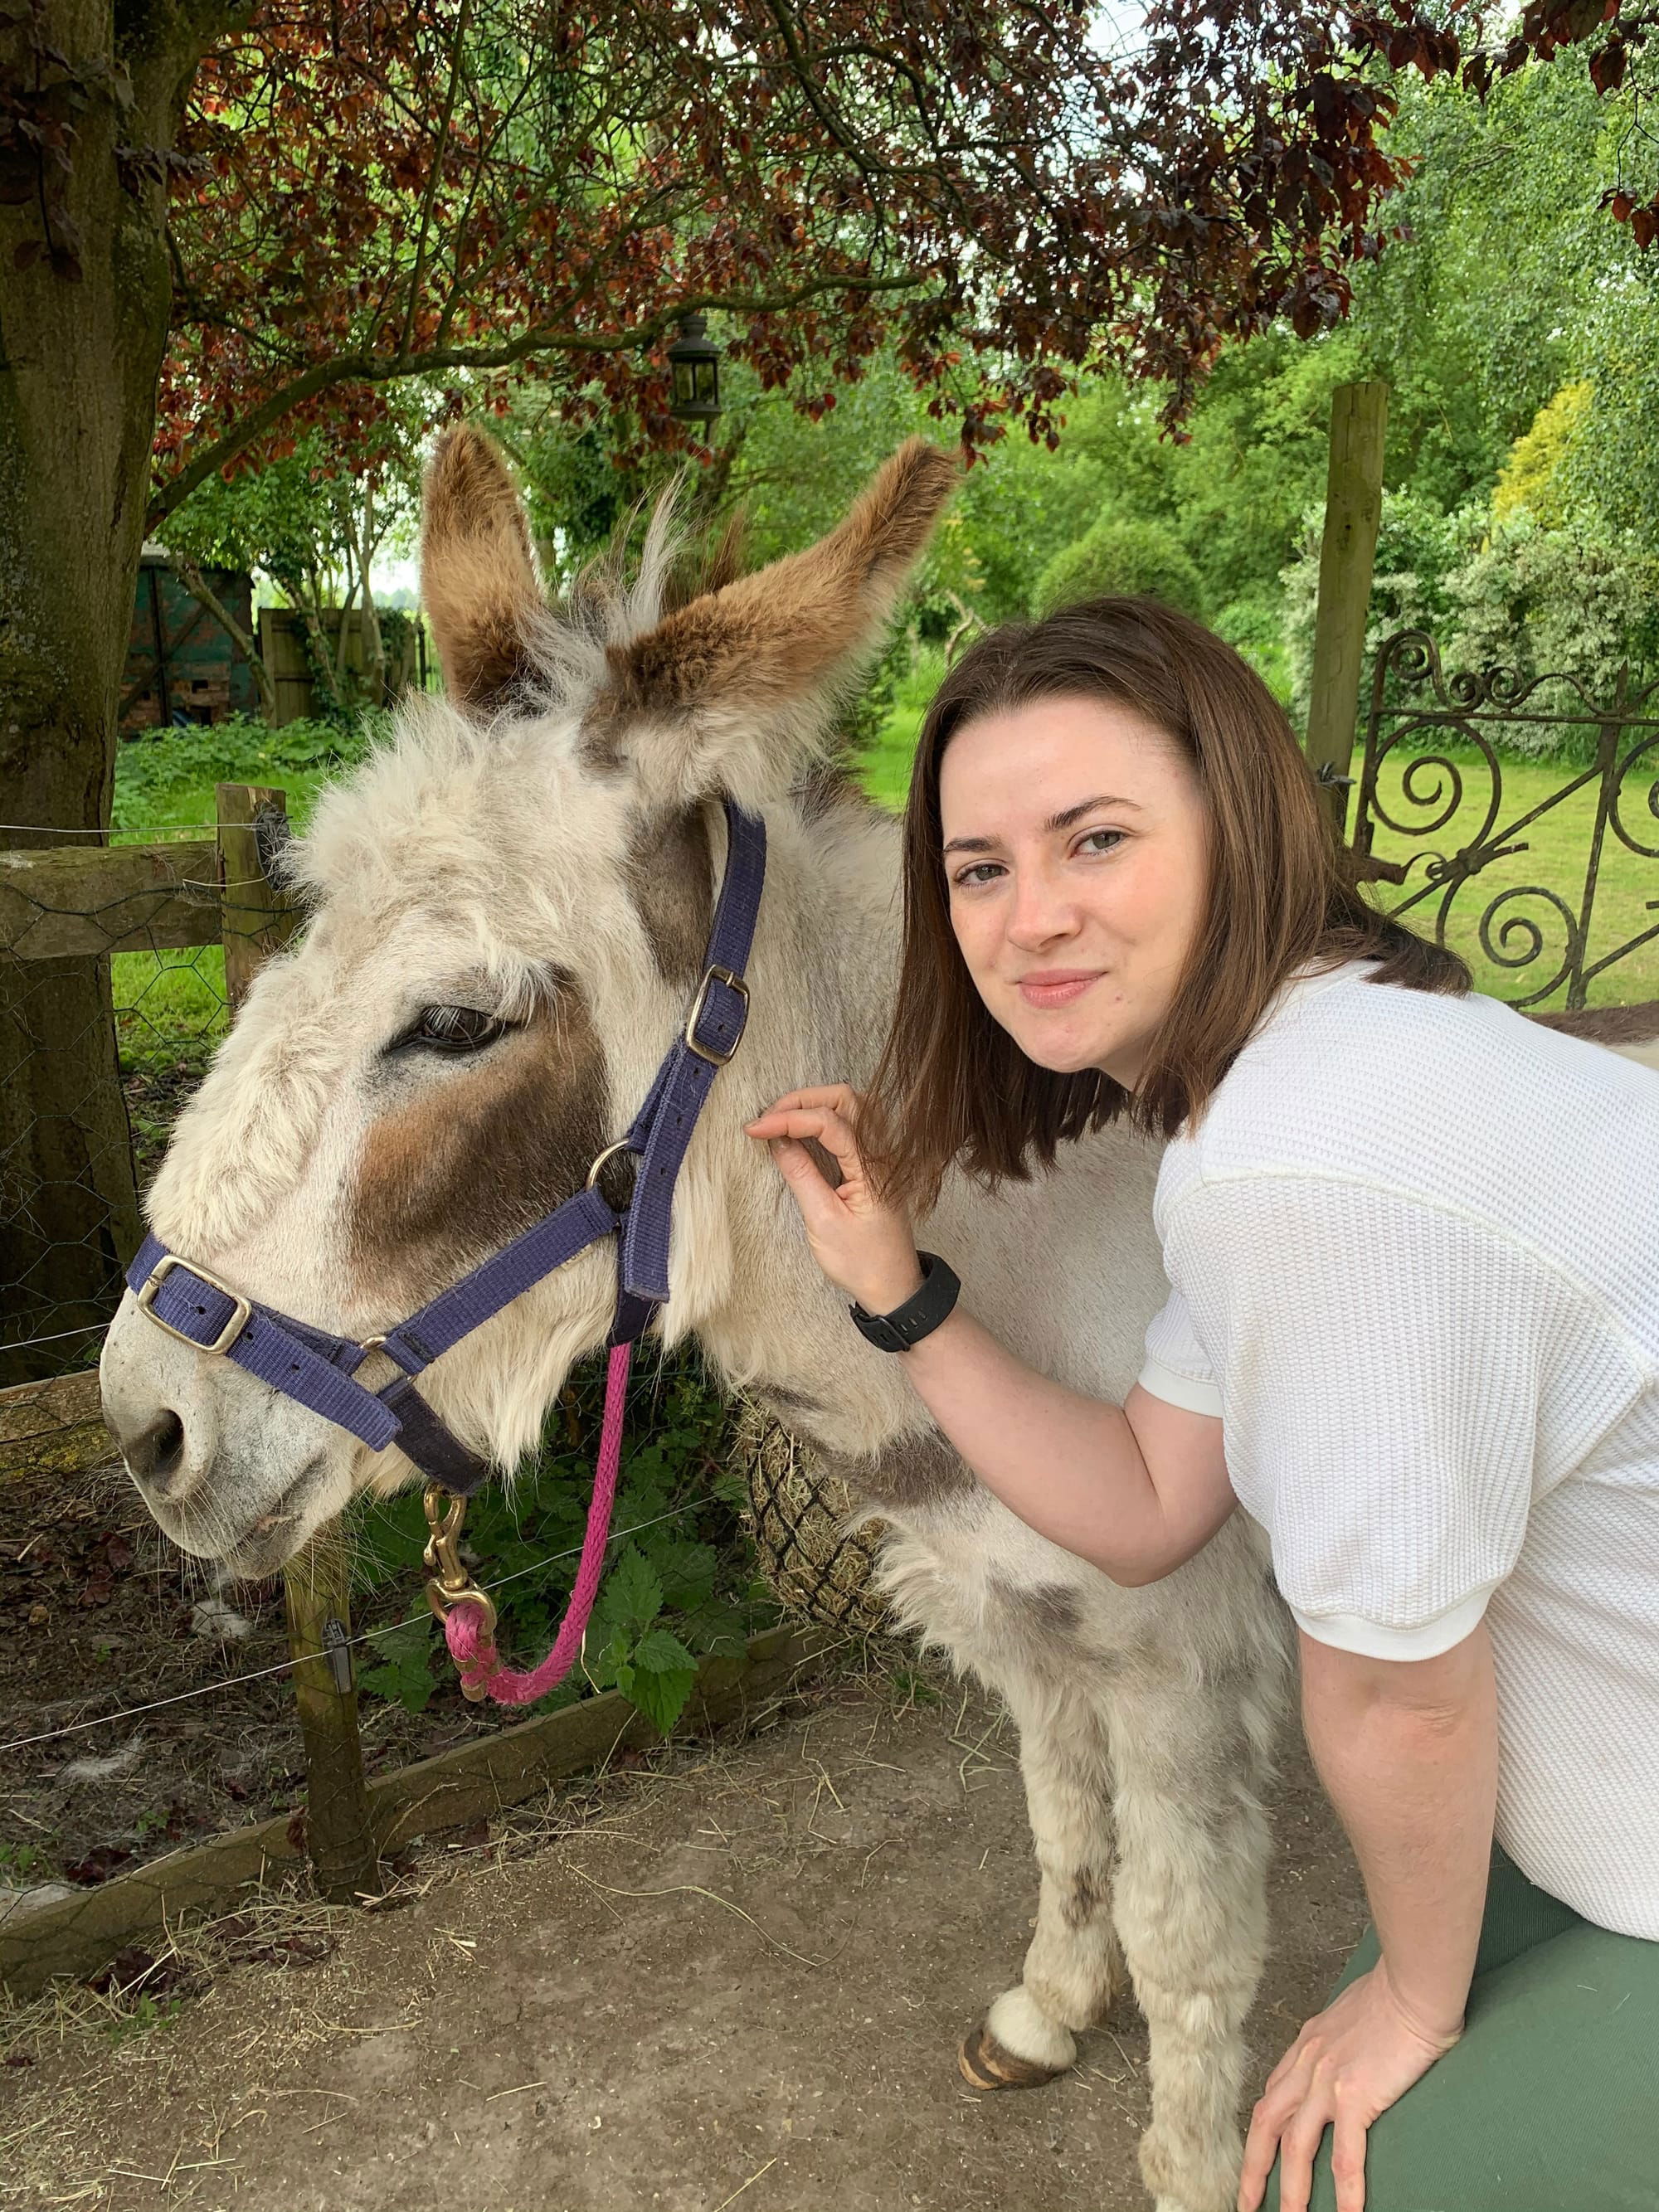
(509, 906)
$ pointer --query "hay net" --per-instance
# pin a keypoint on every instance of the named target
(820, 1565)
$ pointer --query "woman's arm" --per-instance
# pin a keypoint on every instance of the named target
(1408, 1749)
(1135, 1489)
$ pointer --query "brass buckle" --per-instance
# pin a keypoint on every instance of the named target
(232, 1329)
(448, 1583)
(732, 983)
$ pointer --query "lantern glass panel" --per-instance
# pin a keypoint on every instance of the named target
(694, 372)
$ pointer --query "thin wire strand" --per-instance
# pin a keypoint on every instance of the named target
(364, 1636)
(141, 830)
(22, 1343)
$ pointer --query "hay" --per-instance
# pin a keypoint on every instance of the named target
(820, 1566)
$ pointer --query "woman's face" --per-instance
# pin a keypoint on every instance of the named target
(1075, 847)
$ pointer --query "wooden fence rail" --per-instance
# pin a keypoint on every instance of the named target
(472, 1781)
(88, 900)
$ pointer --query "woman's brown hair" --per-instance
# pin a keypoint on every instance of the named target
(952, 1085)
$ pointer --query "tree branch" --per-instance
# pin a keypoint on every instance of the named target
(204, 595)
(435, 178)
(381, 368)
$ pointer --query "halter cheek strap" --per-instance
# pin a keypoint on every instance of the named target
(318, 1369)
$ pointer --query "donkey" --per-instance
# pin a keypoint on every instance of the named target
(507, 907)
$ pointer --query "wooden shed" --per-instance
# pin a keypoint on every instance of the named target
(182, 664)
(282, 649)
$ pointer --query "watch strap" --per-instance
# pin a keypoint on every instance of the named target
(920, 1313)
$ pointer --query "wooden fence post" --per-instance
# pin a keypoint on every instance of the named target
(1353, 508)
(339, 1827)
(255, 919)
(257, 922)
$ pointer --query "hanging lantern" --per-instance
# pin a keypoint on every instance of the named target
(694, 360)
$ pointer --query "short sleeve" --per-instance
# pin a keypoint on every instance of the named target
(1177, 1369)
(1385, 1363)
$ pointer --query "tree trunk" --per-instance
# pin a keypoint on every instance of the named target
(327, 699)
(342, 642)
(83, 323)
(373, 644)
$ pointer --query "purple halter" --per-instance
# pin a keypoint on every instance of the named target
(318, 1370)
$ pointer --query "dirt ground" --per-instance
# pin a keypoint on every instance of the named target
(100, 1617)
(99, 1613)
(736, 1974)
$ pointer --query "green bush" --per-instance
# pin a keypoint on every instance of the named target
(882, 761)
(1496, 595)
(169, 1006)
(1119, 556)
(1257, 634)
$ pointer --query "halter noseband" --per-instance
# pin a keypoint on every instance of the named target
(318, 1369)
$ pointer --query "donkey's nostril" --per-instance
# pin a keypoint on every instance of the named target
(157, 1456)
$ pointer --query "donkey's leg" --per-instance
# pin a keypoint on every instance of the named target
(1074, 1963)
(1191, 1764)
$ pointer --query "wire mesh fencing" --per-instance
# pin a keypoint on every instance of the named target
(165, 1740)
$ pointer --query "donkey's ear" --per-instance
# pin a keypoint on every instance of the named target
(732, 692)
(477, 574)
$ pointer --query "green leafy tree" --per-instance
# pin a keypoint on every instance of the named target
(314, 520)
(1534, 480)
(224, 225)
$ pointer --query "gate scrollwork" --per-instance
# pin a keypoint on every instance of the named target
(1422, 726)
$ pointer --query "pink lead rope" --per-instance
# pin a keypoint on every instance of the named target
(470, 1628)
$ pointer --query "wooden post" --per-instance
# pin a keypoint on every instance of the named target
(257, 922)
(1353, 508)
(339, 1827)
(255, 919)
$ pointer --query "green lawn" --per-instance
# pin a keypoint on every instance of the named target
(1554, 854)
(884, 766)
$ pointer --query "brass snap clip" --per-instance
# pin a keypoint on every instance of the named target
(448, 1583)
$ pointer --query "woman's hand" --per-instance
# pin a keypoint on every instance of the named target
(864, 1247)
(1348, 2065)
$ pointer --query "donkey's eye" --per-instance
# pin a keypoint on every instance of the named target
(452, 1029)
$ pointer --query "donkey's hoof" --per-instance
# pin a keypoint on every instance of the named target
(986, 2064)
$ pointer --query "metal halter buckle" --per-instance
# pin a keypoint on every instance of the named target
(612, 1153)
(239, 1318)
(732, 983)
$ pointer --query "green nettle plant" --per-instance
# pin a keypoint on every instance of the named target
(168, 777)
(678, 1588)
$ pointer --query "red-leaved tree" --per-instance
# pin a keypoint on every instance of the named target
(221, 224)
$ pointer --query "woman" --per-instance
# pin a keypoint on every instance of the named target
(1414, 1330)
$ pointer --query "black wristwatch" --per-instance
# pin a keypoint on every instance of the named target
(921, 1312)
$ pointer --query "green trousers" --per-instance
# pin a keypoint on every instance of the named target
(1551, 2101)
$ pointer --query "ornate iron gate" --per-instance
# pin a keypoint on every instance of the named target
(1414, 704)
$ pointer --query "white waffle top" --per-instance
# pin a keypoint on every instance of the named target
(1414, 1244)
